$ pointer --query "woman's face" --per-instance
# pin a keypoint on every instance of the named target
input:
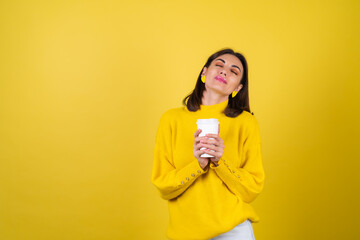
(224, 74)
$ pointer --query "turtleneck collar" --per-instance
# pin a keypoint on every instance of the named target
(219, 107)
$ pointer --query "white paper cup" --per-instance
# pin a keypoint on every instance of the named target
(210, 125)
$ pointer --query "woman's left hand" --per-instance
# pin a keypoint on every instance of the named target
(214, 147)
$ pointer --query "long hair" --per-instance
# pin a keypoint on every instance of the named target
(235, 105)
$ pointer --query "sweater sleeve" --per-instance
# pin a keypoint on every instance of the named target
(246, 181)
(169, 180)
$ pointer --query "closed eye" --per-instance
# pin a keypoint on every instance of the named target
(231, 71)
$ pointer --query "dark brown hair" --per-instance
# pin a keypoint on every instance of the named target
(235, 105)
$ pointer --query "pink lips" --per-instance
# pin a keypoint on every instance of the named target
(221, 79)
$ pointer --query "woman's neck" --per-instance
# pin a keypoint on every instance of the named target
(211, 98)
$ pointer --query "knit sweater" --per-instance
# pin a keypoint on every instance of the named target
(204, 203)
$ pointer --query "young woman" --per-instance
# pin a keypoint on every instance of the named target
(209, 198)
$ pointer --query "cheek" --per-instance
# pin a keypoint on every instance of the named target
(238, 80)
(235, 82)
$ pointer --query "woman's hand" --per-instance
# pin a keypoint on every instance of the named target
(214, 147)
(203, 162)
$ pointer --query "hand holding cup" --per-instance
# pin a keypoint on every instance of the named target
(208, 145)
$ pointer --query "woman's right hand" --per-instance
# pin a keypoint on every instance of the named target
(203, 162)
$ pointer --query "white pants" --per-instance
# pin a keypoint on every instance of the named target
(243, 231)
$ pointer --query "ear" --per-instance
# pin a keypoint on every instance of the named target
(204, 71)
(239, 88)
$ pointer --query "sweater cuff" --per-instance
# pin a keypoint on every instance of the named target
(220, 162)
(191, 172)
(225, 168)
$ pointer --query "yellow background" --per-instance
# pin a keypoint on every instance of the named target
(83, 85)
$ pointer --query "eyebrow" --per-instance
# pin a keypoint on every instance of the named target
(231, 65)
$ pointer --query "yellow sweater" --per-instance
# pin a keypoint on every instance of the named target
(205, 203)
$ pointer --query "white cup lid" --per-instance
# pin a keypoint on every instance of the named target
(207, 121)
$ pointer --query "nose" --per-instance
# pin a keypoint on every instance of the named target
(223, 72)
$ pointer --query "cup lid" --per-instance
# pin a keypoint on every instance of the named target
(207, 121)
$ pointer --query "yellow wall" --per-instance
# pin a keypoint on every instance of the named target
(84, 83)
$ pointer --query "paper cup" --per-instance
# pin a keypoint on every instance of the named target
(210, 125)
